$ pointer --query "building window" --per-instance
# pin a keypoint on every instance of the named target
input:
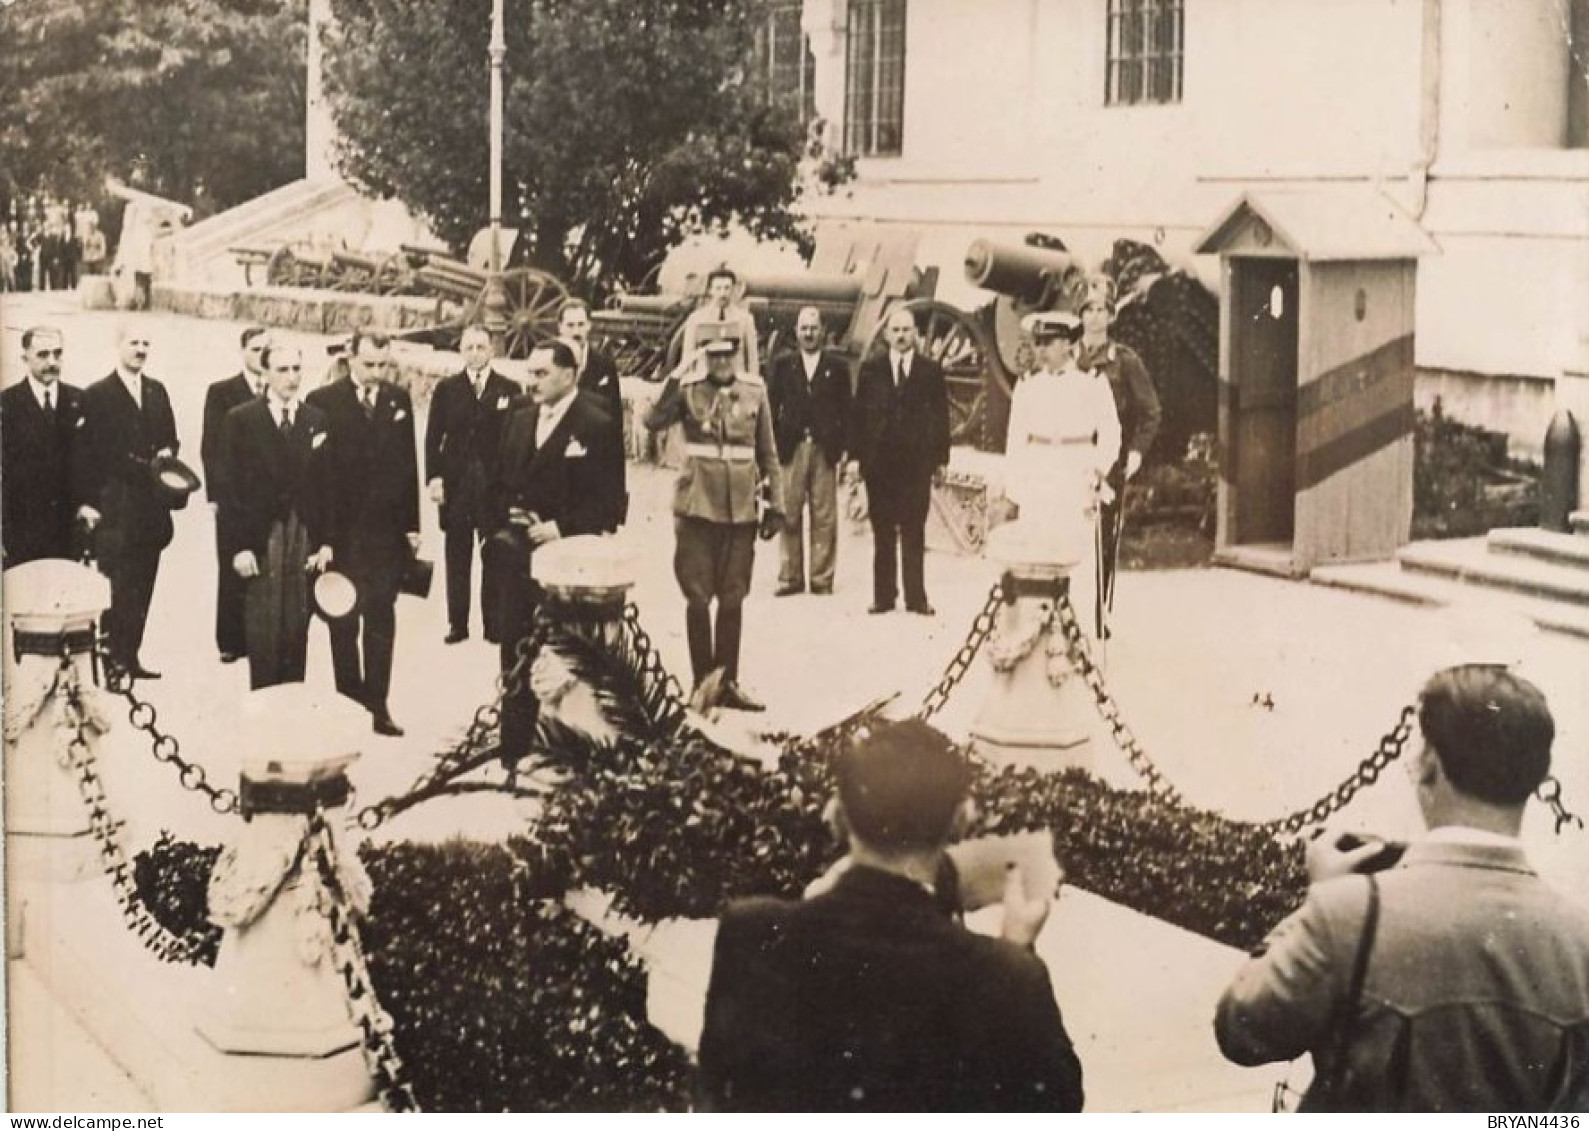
(788, 69)
(874, 103)
(1146, 38)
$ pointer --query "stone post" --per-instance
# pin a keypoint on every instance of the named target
(53, 609)
(1037, 711)
(586, 580)
(278, 992)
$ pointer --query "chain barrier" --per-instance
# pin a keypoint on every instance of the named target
(651, 660)
(1081, 658)
(473, 744)
(1391, 746)
(1549, 793)
(955, 671)
(142, 715)
(79, 758)
(347, 952)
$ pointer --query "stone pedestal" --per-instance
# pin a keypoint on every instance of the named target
(54, 608)
(277, 992)
(1038, 710)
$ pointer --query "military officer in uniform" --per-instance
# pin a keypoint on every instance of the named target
(728, 449)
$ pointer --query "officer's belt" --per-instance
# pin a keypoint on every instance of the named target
(740, 452)
(1058, 441)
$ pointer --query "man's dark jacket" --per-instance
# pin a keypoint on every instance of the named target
(36, 474)
(871, 998)
(115, 441)
(219, 399)
(820, 405)
(903, 432)
(461, 438)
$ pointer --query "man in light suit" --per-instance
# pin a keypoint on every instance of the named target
(871, 996)
(467, 411)
(900, 438)
(375, 524)
(219, 399)
(809, 389)
(126, 422)
(560, 473)
(1475, 995)
(37, 419)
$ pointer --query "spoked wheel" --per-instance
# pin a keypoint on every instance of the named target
(971, 367)
(533, 298)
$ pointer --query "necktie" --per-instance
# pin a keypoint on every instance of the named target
(286, 420)
(369, 401)
(899, 373)
(49, 403)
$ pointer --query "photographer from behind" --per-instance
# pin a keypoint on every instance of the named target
(1453, 979)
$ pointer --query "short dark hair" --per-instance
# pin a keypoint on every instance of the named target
(572, 304)
(377, 339)
(721, 273)
(562, 353)
(901, 785)
(250, 334)
(1491, 730)
(35, 331)
(272, 350)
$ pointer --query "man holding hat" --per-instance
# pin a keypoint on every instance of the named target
(1063, 439)
(1136, 404)
(274, 518)
(728, 450)
(1450, 977)
(871, 996)
(125, 426)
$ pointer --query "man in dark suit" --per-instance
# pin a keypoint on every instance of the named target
(126, 421)
(900, 438)
(810, 393)
(219, 399)
(461, 437)
(273, 518)
(560, 473)
(37, 417)
(870, 996)
(375, 528)
(598, 373)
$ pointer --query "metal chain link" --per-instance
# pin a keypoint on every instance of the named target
(1081, 658)
(1390, 747)
(364, 1009)
(487, 717)
(650, 659)
(142, 715)
(79, 758)
(955, 671)
(1549, 793)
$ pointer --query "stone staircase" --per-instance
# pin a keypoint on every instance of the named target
(1538, 574)
(203, 251)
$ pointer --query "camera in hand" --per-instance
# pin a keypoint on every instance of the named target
(1389, 854)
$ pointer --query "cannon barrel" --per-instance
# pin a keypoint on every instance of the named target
(804, 288)
(1030, 275)
(650, 304)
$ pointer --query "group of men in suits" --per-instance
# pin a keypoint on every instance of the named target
(80, 477)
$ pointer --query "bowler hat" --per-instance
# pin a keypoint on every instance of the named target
(173, 481)
(335, 596)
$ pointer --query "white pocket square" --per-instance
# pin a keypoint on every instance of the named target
(575, 448)
(317, 439)
(402, 414)
(502, 403)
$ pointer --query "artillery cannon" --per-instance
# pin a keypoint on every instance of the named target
(1166, 315)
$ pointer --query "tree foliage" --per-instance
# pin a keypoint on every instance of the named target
(628, 124)
(204, 98)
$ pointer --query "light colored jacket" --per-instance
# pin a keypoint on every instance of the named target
(728, 447)
(1476, 996)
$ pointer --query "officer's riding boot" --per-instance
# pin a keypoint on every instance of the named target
(698, 629)
(730, 622)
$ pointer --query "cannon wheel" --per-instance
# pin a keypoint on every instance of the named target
(533, 300)
(971, 368)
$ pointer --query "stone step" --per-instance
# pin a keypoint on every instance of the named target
(1412, 587)
(1544, 545)
(1470, 561)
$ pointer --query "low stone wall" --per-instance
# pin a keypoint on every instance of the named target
(299, 308)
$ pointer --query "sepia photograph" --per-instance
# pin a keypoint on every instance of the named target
(619, 556)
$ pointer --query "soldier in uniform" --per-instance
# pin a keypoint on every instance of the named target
(728, 449)
(1136, 404)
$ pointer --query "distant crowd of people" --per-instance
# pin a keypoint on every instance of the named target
(50, 246)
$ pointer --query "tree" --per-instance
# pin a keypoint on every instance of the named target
(207, 96)
(628, 125)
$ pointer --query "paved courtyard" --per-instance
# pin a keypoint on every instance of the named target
(1253, 695)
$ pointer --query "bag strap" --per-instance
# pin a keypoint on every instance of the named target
(1346, 1014)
